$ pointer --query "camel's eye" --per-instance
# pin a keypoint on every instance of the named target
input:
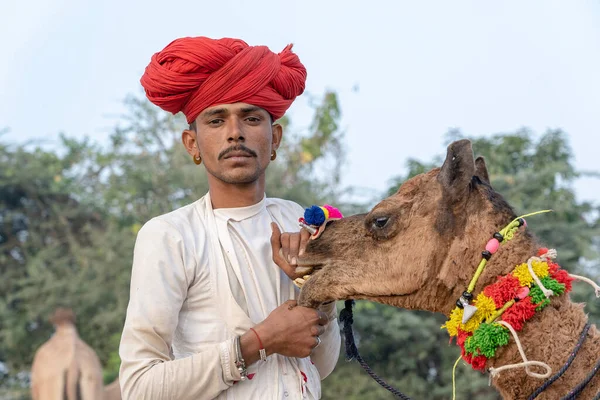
(380, 222)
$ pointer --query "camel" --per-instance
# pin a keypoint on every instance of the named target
(423, 247)
(65, 367)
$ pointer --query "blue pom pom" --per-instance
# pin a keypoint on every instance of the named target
(314, 216)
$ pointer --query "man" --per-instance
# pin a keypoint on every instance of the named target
(65, 367)
(211, 314)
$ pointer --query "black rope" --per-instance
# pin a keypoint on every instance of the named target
(564, 368)
(579, 388)
(352, 351)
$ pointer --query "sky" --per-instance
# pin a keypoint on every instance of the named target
(406, 71)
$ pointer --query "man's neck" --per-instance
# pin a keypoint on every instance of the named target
(224, 195)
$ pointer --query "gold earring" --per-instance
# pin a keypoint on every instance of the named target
(197, 160)
(273, 155)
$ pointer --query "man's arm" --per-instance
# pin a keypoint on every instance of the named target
(159, 287)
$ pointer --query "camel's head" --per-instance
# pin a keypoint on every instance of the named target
(415, 249)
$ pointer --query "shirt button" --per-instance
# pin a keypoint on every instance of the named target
(286, 394)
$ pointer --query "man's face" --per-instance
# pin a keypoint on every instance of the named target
(235, 141)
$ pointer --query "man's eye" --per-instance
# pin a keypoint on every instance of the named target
(253, 119)
(215, 121)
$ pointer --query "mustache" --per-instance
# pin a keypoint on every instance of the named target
(239, 147)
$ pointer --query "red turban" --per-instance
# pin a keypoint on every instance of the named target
(194, 73)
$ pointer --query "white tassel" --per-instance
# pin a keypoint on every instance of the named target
(526, 363)
(550, 255)
(589, 281)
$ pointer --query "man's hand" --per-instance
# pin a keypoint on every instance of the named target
(291, 330)
(286, 249)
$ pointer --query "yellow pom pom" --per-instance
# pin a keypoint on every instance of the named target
(485, 305)
(540, 268)
(521, 272)
(454, 321)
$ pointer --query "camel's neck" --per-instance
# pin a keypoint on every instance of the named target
(550, 337)
(548, 330)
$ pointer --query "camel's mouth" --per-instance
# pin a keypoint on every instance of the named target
(306, 269)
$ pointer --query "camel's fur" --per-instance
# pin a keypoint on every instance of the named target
(426, 255)
(65, 367)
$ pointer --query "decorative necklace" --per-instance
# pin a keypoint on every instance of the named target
(513, 299)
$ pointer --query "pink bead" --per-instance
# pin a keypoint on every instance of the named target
(492, 245)
(522, 293)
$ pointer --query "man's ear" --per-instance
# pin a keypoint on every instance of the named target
(458, 170)
(277, 135)
(188, 138)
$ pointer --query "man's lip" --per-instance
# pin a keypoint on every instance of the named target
(237, 154)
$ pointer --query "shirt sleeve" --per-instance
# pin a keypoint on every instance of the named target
(159, 285)
(326, 355)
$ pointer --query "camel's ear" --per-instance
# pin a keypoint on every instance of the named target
(481, 170)
(458, 170)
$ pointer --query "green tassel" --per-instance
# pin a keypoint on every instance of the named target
(538, 297)
(486, 339)
(553, 284)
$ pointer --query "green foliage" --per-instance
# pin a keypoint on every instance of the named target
(409, 351)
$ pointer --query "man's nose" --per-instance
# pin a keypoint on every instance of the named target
(235, 130)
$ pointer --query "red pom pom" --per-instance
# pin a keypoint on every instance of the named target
(552, 268)
(462, 336)
(563, 277)
(519, 313)
(542, 251)
(478, 363)
(505, 289)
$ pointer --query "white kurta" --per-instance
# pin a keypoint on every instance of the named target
(200, 277)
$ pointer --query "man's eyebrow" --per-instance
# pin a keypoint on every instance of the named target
(215, 111)
(250, 109)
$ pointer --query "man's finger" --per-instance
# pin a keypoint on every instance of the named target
(304, 238)
(323, 319)
(294, 248)
(285, 246)
(321, 330)
(278, 258)
(275, 239)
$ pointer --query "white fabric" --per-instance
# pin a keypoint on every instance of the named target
(177, 342)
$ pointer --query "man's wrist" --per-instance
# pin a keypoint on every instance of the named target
(266, 339)
(251, 345)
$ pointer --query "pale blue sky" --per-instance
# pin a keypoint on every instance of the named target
(422, 67)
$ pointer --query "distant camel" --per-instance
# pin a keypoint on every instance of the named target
(425, 248)
(65, 367)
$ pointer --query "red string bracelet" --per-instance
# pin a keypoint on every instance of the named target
(261, 351)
